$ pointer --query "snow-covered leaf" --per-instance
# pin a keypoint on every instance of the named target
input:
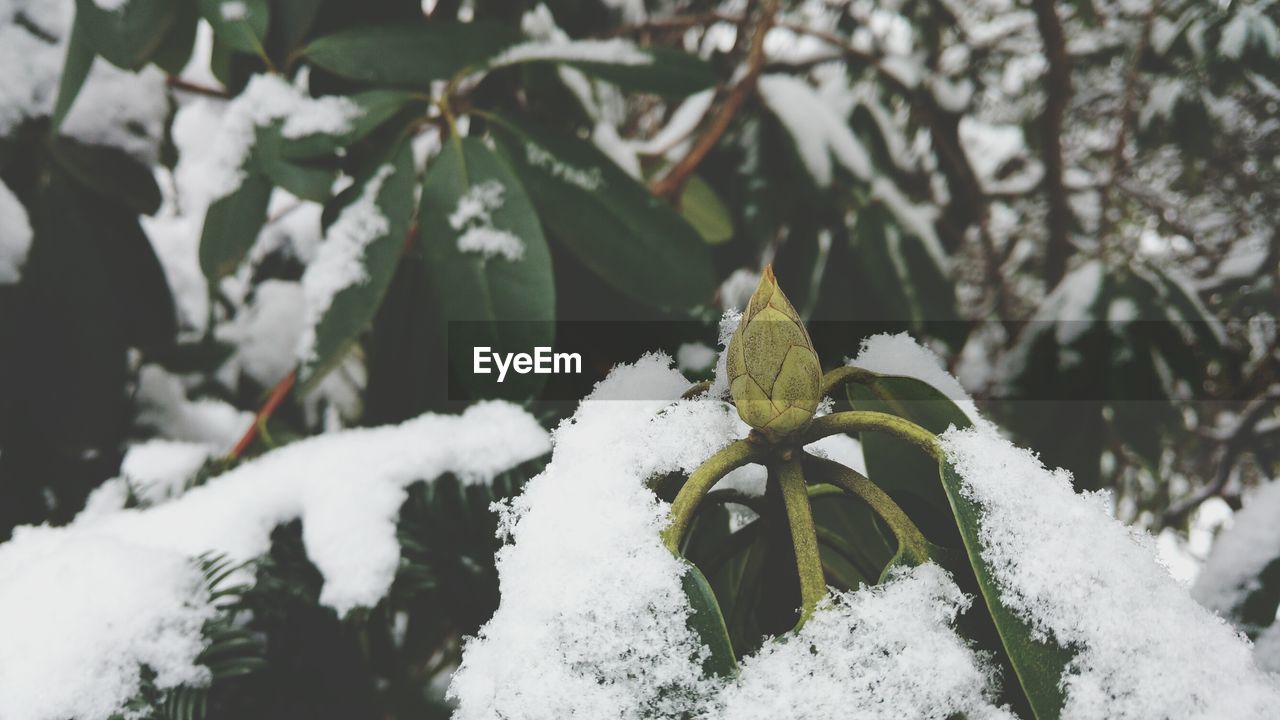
(375, 107)
(489, 262)
(345, 282)
(660, 70)
(614, 225)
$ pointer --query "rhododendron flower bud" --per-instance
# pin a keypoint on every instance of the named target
(774, 374)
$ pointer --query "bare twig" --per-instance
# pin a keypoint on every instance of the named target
(178, 83)
(1057, 96)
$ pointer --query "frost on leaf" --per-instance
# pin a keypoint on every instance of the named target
(1144, 648)
(596, 622)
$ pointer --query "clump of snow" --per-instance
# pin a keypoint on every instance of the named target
(15, 236)
(266, 332)
(900, 355)
(1144, 648)
(1266, 650)
(234, 10)
(152, 472)
(473, 216)
(121, 109)
(1240, 554)
(164, 408)
(736, 289)
(615, 51)
(600, 625)
(695, 357)
(591, 179)
(684, 120)
(883, 652)
(339, 263)
(80, 614)
(266, 99)
(111, 5)
(817, 131)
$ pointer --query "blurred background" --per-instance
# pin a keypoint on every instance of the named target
(1073, 203)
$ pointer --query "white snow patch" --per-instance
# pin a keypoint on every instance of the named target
(1266, 649)
(1240, 554)
(902, 356)
(163, 407)
(881, 653)
(473, 215)
(15, 236)
(1144, 648)
(695, 357)
(234, 10)
(266, 332)
(684, 120)
(615, 51)
(590, 179)
(111, 5)
(817, 131)
(339, 263)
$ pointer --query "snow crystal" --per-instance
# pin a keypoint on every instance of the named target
(695, 357)
(886, 651)
(80, 614)
(901, 356)
(817, 131)
(339, 264)
(590, 180)
(1240, 554)
(614, 52)
(15, 236)
(474, 212)
(1144, 648)
(120, 588)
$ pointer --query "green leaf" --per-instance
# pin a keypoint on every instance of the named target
(75, 69)
(110, 172)
(898, 467)
(377, 107)
(671, 72)
(702, 207)
(231, 225)
(291, 22)
(1038, 664)
(503, 303)
(353, 308)
(410, 56)
(307, 181)
(127, 37)
(175, 52)
(613, 224)
(238, 24)
(708, 623)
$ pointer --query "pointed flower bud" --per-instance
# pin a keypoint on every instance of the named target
(774, 374)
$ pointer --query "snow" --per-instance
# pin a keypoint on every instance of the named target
(817, 131)
(473, 215)
(599, 629)
(234, 10)
(728, 324)
(1266, 650)
(899, 355)
(163, 407)
(736, 289)
(1234, 36)
(695, 357)
(684, 120)
(591, 180)
(1144, 647)
(80, 614)
(15, 236)
(614, 52)
(266, 99)
(914, 218)
(81, 607)
(111, 5)
(1161, 100)
(1239, 555)
(883, 652)
(1071, 305)
(339, 264)
(266, 332)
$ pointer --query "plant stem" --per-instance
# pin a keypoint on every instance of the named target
(845, 374)
(278, 394)
(804, 537)
(863, 420)
(699, 484)
(909, 537)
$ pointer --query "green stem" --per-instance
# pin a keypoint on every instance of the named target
(699, 484)
(846, 374)
(909, 537)
(804, 538)
(856, 421)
